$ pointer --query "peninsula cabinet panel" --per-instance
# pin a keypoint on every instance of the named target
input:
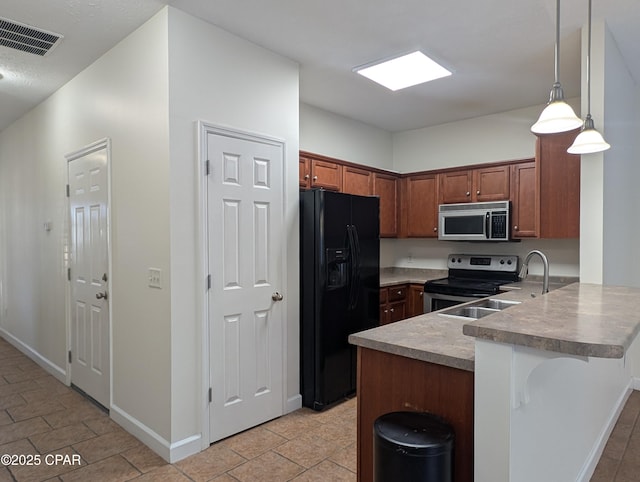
(386, 187)
(490, 184)
(420, 206)
(388, 383)
(455, 187)
(415, 301)
(327, 175)
(524, 201)
(559, 174)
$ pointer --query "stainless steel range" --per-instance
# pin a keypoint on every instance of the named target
(470, 277)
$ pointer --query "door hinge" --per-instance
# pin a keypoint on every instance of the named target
(210, 394)
(70, 358)
(206, 168)
(68, 195)
(208, 281)
(68, 274)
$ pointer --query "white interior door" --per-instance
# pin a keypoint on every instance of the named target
(88, 199)
(245, 236)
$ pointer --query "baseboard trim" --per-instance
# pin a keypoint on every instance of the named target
(293, 404)
(46, 364)
(591, 463)
(171, 452)
(635, 383)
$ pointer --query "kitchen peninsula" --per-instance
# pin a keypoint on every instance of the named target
(540, 381)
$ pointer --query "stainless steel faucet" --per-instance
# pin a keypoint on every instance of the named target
(525, 268)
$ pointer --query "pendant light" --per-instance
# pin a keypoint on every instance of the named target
(589, 140)
(557, 116)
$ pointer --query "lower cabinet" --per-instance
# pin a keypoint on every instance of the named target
(398, 302)
(393, 304)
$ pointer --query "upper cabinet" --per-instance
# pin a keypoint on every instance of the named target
(475, 185)
(559, 186)
(419, 206)
(386, 187)
(319, 173)
(357, 181)
(524, 201)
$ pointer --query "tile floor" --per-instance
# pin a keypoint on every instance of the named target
(41, 416)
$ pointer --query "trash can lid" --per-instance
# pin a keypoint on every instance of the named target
(415, 430)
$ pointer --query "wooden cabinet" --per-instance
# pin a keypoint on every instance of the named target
(393, 304)
(318, 173)
(524, 201)
(475, 185)
(559, 186)
(385, 186)
(419, 208)
(357, 181)
(415, 301)
(305, 173)
(455, 187)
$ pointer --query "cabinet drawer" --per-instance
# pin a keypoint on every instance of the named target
(397, 293)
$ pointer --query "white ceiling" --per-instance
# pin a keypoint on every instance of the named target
(501, 51)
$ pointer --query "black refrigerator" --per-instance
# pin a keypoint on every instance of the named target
(340, 289)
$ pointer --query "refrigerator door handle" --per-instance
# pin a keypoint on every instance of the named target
(354, 282)
(352, 267)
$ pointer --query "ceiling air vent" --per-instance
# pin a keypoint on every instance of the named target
(28, 39)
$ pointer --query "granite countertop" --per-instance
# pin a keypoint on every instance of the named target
(578, 319)
(399, 276)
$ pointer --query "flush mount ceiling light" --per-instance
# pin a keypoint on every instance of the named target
(557, 116)
(589, 140)
(405, 71)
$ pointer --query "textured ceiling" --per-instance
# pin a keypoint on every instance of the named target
(501, 51)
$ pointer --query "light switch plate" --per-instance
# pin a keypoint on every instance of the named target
(155, 278)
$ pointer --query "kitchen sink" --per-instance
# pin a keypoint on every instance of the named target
(478, 309)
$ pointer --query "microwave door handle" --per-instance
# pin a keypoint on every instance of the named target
(487, 225)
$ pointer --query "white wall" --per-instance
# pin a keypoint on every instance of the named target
(222, 79)
(498, 137)
(333, 135)
(122, 96)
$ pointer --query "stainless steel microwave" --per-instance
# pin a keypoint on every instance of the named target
(474, 221)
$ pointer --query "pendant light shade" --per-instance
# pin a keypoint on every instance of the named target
(557, 116)
(589, 140)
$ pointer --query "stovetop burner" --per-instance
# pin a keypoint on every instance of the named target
(475, 275)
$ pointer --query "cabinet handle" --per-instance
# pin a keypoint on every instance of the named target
(391, 310)
(467, 193)
(435, 229)
(478, 192)
(399, 292)
(315, 178)
(306, 177)
(421, 293)
(515, 228)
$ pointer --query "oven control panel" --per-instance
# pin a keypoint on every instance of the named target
(484, 262)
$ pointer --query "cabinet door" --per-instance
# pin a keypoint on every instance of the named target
(305, 173)
(357, 181)
(415, 304)
(420, 205)
(455, 187)
(491, 184)
(559, 186)
(327, 175)
(524, 201)
(386, 187)
(397, 311)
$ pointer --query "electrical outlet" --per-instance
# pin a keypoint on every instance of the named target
(155, 278)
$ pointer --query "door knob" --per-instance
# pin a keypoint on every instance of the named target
(276, 296)
(102, 295)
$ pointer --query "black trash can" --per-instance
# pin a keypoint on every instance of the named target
(412, 447)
